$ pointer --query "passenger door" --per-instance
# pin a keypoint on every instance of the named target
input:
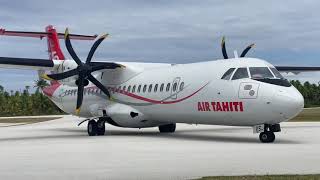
(175, 88)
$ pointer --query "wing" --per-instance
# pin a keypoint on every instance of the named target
(26, 63)
(297, 69)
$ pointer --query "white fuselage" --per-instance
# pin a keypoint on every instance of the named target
(197, 95)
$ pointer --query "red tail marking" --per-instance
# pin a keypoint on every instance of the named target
(54, 49)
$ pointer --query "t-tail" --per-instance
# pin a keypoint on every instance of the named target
(54, 50)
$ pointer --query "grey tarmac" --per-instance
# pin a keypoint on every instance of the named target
(58, 149)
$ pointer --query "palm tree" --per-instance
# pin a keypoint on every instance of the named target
(40, 84)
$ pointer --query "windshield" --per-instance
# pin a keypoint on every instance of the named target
(276, 73)
(241, 73)
(263, 74)
(260, 73)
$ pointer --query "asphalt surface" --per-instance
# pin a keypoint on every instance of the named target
(59, 149)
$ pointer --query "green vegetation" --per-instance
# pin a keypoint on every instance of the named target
(310, 92)
(26, 104)
(310, 114)
(267, 177)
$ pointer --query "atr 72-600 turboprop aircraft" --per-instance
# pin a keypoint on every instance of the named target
(235, 92)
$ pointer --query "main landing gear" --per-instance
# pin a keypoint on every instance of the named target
(267, 132)
(168, 128)
(96, 127)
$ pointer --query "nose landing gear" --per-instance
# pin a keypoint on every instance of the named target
(267, 132)
(96, 127)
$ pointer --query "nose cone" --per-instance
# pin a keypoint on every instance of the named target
(288, 102)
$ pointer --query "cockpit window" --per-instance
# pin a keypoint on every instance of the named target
(240, 74)
(260, 72)
(263, 74)
(276, 73)
(228, 74)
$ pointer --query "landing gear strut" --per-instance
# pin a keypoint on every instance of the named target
(168, 128)
(96, 128)
(267, 136)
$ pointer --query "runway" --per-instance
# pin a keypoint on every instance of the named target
(59, 149)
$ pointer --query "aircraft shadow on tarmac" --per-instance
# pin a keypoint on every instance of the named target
(211, 135)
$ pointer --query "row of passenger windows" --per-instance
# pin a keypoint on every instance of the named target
(151, 88)
(133, 89)
(255, 72)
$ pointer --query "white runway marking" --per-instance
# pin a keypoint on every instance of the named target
(59, 149)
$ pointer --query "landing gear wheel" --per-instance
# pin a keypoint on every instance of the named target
(267, 137)
(92, 128)
(169, 128)
(101, 128)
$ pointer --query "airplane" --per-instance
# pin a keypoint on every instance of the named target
(237, 91)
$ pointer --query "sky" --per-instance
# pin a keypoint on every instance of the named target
(285, 32)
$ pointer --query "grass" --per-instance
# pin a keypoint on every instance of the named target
(309, 114)
(27, 120)
(267, 177)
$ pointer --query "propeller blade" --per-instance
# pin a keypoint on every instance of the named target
(70, 48)
(60, 76)
(99, 85)
(80, 93)
(95, 46)
(245, 51)
(223, 47)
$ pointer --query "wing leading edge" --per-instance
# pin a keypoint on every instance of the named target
(297, 69)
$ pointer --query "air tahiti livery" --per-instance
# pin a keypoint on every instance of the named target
(235, 92)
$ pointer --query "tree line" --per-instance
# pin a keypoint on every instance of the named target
(310, 92)
(26, 104)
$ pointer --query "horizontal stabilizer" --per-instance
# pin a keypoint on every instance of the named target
(42, 35)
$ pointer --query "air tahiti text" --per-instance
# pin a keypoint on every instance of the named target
(221, 106)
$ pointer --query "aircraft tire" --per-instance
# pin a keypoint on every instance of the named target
(267, 137)
(168, 128)
(101, 127)
(92, 128)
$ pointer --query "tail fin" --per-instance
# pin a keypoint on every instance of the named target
(54, 50)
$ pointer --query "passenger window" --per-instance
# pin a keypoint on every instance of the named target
(241, 73)
(156, 88)
(139, 88)
(144, 88)
(260, 72)
(174, 88)
(161, 87)
(134, 89)
(168, 87)
(124, 88)
(276, 73)
(228, 74)
(150, 88)
(119, 89)
(181, 86)
(129, 88)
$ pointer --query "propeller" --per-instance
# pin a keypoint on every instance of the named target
(83, 70)
(224, 51)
